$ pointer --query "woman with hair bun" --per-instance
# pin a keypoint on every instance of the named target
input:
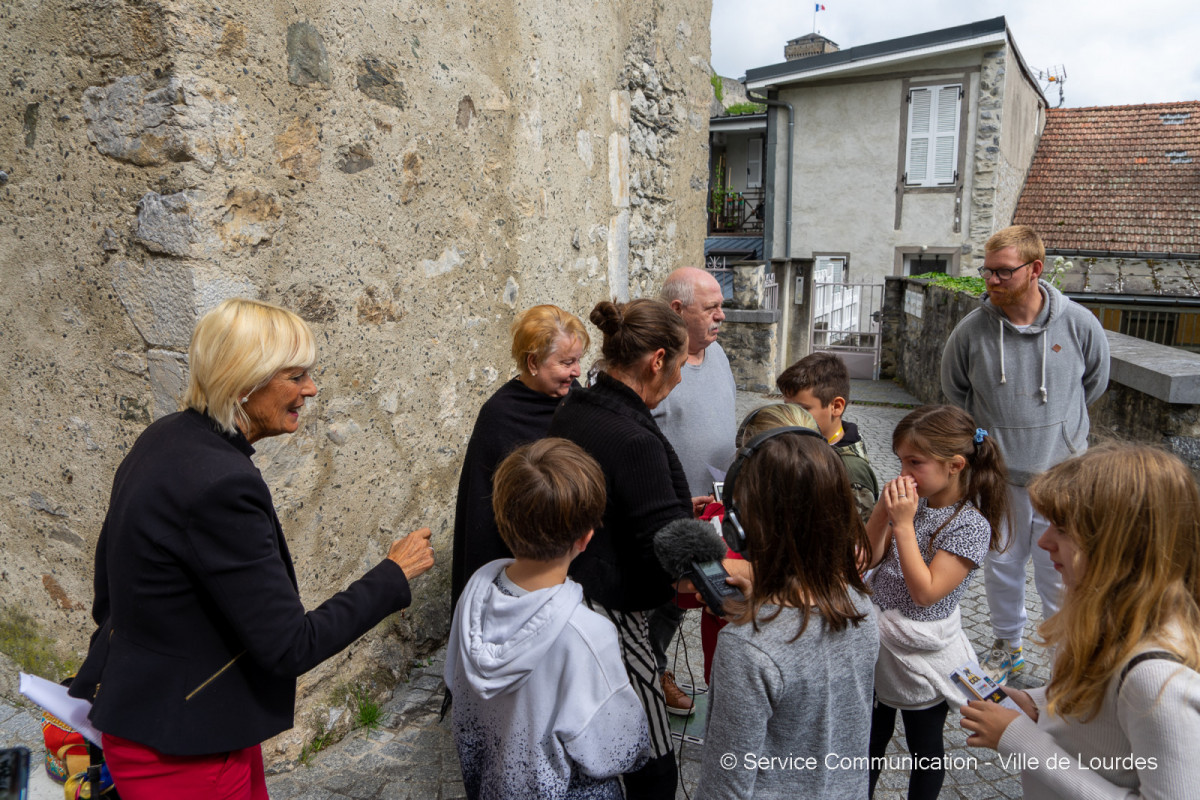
(1120, 717)
(645, 345)
(547, 345)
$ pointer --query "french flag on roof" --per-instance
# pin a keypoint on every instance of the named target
(819, 7)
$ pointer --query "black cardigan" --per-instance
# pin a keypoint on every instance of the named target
(647, 488)
(202, 632)
(513, 416)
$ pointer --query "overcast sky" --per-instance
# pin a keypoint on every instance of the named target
(1115, 53)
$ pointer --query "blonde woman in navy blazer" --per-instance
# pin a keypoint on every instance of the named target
(201, 630)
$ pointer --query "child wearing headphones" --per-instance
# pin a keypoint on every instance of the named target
(793, 678)
(931, 529)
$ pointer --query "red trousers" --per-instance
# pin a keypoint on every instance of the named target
(143, 773)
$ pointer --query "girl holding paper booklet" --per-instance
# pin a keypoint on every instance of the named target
(1120, 717)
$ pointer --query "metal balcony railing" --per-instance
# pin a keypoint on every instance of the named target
(736, 212)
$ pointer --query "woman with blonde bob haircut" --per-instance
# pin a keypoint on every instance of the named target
(236, 349)
(1122, 708)
(548, 346)
(201, 632)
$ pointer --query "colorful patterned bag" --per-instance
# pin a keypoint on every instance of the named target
(66, 749)
(68, 760)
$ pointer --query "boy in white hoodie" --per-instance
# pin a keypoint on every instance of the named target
(542, 702)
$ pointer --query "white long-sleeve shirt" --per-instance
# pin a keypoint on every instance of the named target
(1143, 744)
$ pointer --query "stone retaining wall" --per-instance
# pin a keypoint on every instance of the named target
(911, 350)
(750, 339)
(750, 334)
(1153, 393)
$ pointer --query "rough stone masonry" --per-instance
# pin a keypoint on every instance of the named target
(405, 175)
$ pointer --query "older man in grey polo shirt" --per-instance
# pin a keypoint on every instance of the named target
(699, 419)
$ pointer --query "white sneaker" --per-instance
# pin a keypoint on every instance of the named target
(1002, 661)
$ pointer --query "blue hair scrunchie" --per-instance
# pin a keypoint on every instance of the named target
(979, 434)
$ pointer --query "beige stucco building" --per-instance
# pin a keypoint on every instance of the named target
(893, 158)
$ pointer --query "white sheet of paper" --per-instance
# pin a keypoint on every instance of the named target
(54, 698)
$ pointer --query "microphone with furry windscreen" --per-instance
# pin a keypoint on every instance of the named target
(689, 548)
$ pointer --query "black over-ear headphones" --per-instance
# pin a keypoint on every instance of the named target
(731, 526)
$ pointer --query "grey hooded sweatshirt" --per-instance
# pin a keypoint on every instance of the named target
(543, 707)
(1029, 388)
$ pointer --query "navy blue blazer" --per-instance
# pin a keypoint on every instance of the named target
(201, 630)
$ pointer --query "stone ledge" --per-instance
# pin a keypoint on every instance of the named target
(1167, 373)
(752, 315)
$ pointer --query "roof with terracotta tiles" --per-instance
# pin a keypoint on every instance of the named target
(1118, 178)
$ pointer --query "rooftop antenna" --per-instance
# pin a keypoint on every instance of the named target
(1054, 76)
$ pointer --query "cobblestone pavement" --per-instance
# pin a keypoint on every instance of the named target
(411, 755)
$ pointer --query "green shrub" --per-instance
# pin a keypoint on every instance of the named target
(718, 87)
(961, 283)
(746, 108)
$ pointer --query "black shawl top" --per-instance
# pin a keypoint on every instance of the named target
(513, 416)
(646, 486)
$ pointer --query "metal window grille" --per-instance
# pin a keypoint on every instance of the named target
(1174, 327)
(1153, 326)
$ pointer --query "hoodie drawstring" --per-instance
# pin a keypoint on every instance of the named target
(1003, 378)
(1042, 388)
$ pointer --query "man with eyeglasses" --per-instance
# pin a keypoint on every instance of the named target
(1026, 365)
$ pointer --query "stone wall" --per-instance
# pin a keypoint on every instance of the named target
(406, 177)
(750, 334)
(1153, 393)
(911, 350)
(988, 211)
(1010, 124)
(750, 339)
(1130, 414)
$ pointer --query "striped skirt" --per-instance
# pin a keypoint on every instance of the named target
(633, 631)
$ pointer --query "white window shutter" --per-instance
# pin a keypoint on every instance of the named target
(933, 120)
(754, 163)
(920, 135)
(945, 148)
